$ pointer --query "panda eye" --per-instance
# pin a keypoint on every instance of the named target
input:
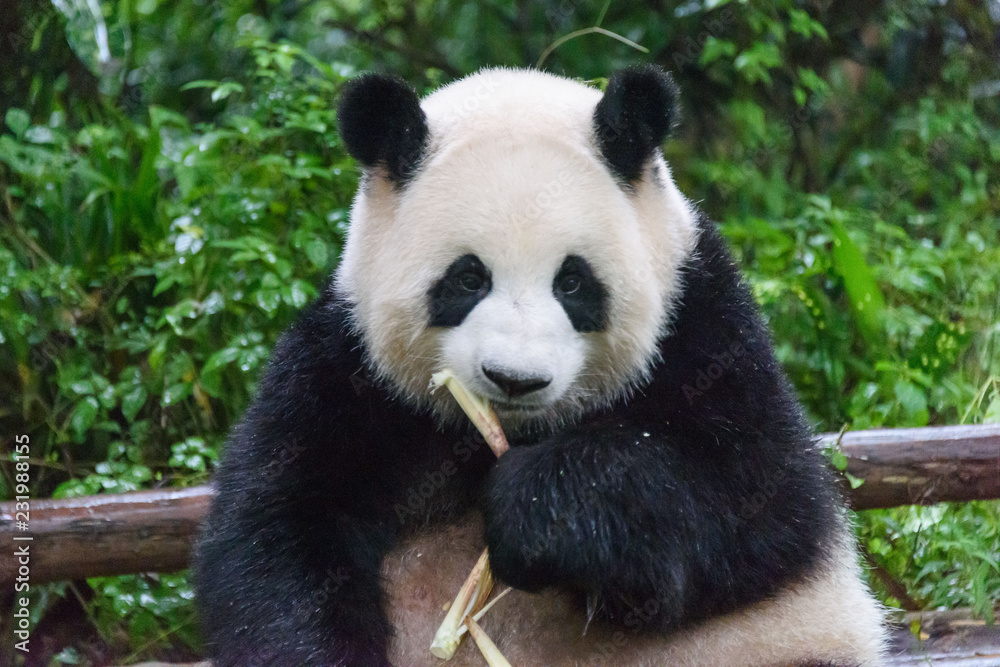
(464, 284)
(471, 282)
(569, 284)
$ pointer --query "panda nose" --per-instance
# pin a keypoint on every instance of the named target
(515, 386)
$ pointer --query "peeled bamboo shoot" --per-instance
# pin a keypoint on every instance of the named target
(479, 583)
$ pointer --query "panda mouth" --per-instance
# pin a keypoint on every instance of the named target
(518, 408)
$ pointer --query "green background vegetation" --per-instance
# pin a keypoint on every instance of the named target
(172, 193)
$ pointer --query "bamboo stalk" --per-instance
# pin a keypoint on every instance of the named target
(478, 409)
(479, 583)
(494, 658)
(470, 597)
(482, 612)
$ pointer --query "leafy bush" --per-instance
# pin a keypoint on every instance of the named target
(148, 268)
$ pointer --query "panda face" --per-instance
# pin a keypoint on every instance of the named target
(521, 352)
(514, 256)
(541, 266)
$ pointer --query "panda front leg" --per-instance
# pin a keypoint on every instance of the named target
(287, 604)
(655, 528)
(287, 568)
(284, 579)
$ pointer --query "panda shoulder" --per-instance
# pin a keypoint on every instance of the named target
(319, 355)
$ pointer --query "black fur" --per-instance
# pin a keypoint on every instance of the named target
(453, 296)
(634, 117)
(382, 124)
(701, 494)
(581, 295)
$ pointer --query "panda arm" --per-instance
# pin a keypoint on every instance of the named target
(287, 569)
(639, 517)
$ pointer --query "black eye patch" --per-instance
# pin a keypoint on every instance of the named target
(454, 295)
(581, 295)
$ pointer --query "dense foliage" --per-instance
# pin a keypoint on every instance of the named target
(173, 190)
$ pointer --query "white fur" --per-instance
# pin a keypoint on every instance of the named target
(513, 175)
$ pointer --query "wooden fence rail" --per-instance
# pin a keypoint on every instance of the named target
(152, 531)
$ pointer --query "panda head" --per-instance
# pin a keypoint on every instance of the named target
(519, 228)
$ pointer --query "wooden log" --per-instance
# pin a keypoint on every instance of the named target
(152, 531)
(146, 531)
(922, 466)
(949, 638)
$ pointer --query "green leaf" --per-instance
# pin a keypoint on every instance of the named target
(132, 402)
(165, 283)
(224, 90)
(317, 253)
(299, 293)
(268, 299)
(176, 393)
(107, 397)
(211, 372)
(160, 116)
(838, 459)
(867, 302)
(200, 83)
(18, 121)
(753, 63)
(68, 656)
(158, 353)
(82, 387)
(939, 348)
(39, 134)
(71, 488)
(912, 399)
(800, 22)
(813, 81)
(220, 359)
(855, 482)
(83, 417)
(715, 49)
(992, 415)
(139, 474)
(803, 24)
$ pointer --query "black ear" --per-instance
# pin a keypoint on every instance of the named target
(382, 124)
(634, 117)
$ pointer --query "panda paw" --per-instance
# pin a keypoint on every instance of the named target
(531, 544)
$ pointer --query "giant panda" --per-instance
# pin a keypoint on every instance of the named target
(663, 502)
